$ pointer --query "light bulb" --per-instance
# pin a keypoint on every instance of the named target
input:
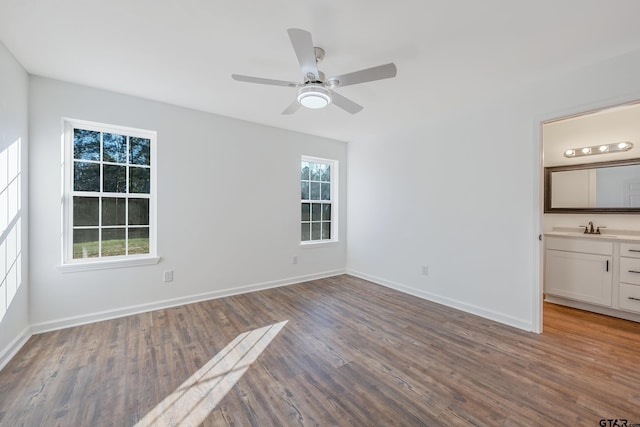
(314, 96)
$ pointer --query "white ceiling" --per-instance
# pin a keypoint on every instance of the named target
(183, 52)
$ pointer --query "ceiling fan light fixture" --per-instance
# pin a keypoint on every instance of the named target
(314, 97)
(316, 90)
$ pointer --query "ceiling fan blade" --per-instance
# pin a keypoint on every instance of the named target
(262, 81)
(345, 103)
(367, 75)
(295, 105)
(303, 46)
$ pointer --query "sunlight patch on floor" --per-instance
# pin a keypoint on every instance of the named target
(194, 400)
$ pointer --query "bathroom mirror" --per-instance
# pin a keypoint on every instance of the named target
(604, 187)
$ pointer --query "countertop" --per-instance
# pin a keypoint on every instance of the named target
(610, 235)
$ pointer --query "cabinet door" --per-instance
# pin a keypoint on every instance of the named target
(579, 276)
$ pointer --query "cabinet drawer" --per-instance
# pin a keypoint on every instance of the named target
(630, 297)
(580, 245)
(630, 270)
(630, 250)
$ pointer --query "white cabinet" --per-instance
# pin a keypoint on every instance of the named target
(629, 296)
(630, 270)
(599, 273)
(580, 270)
(630, 250)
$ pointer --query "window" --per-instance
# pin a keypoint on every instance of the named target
(10, 224)
(318, 189)
(109, 193)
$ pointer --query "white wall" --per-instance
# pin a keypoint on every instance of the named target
(14, 323)
(228, 207)
(459, 193)
(616, 124)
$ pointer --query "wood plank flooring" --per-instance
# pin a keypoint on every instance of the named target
(351, 353)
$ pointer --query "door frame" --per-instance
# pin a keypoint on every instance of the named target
(538, 187)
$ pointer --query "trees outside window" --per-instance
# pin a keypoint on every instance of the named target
(318, 184)
(109, 192)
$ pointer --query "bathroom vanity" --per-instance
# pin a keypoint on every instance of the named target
(595, 272)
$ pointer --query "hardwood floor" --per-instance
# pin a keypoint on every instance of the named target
(350, 353)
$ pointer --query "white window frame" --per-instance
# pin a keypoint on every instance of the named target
(69, 264)
(334, 165)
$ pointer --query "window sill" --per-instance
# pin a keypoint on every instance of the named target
(319, 244)
(101, 265)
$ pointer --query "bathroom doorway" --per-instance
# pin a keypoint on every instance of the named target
(578, 139)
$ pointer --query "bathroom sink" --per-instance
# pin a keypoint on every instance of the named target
(619, 235)
(580, 234)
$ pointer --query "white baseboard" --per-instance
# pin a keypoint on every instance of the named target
(68, 322)
(7, 353)
(459, 305)
(621, 314)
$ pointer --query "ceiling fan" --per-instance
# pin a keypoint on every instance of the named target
(317, 91)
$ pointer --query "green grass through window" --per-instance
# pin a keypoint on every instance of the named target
(110, 248)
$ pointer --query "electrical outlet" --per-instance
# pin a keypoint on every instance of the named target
(168, 276)
(294, 260)
(425, 270)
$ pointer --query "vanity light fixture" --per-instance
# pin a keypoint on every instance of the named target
(615, 147)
